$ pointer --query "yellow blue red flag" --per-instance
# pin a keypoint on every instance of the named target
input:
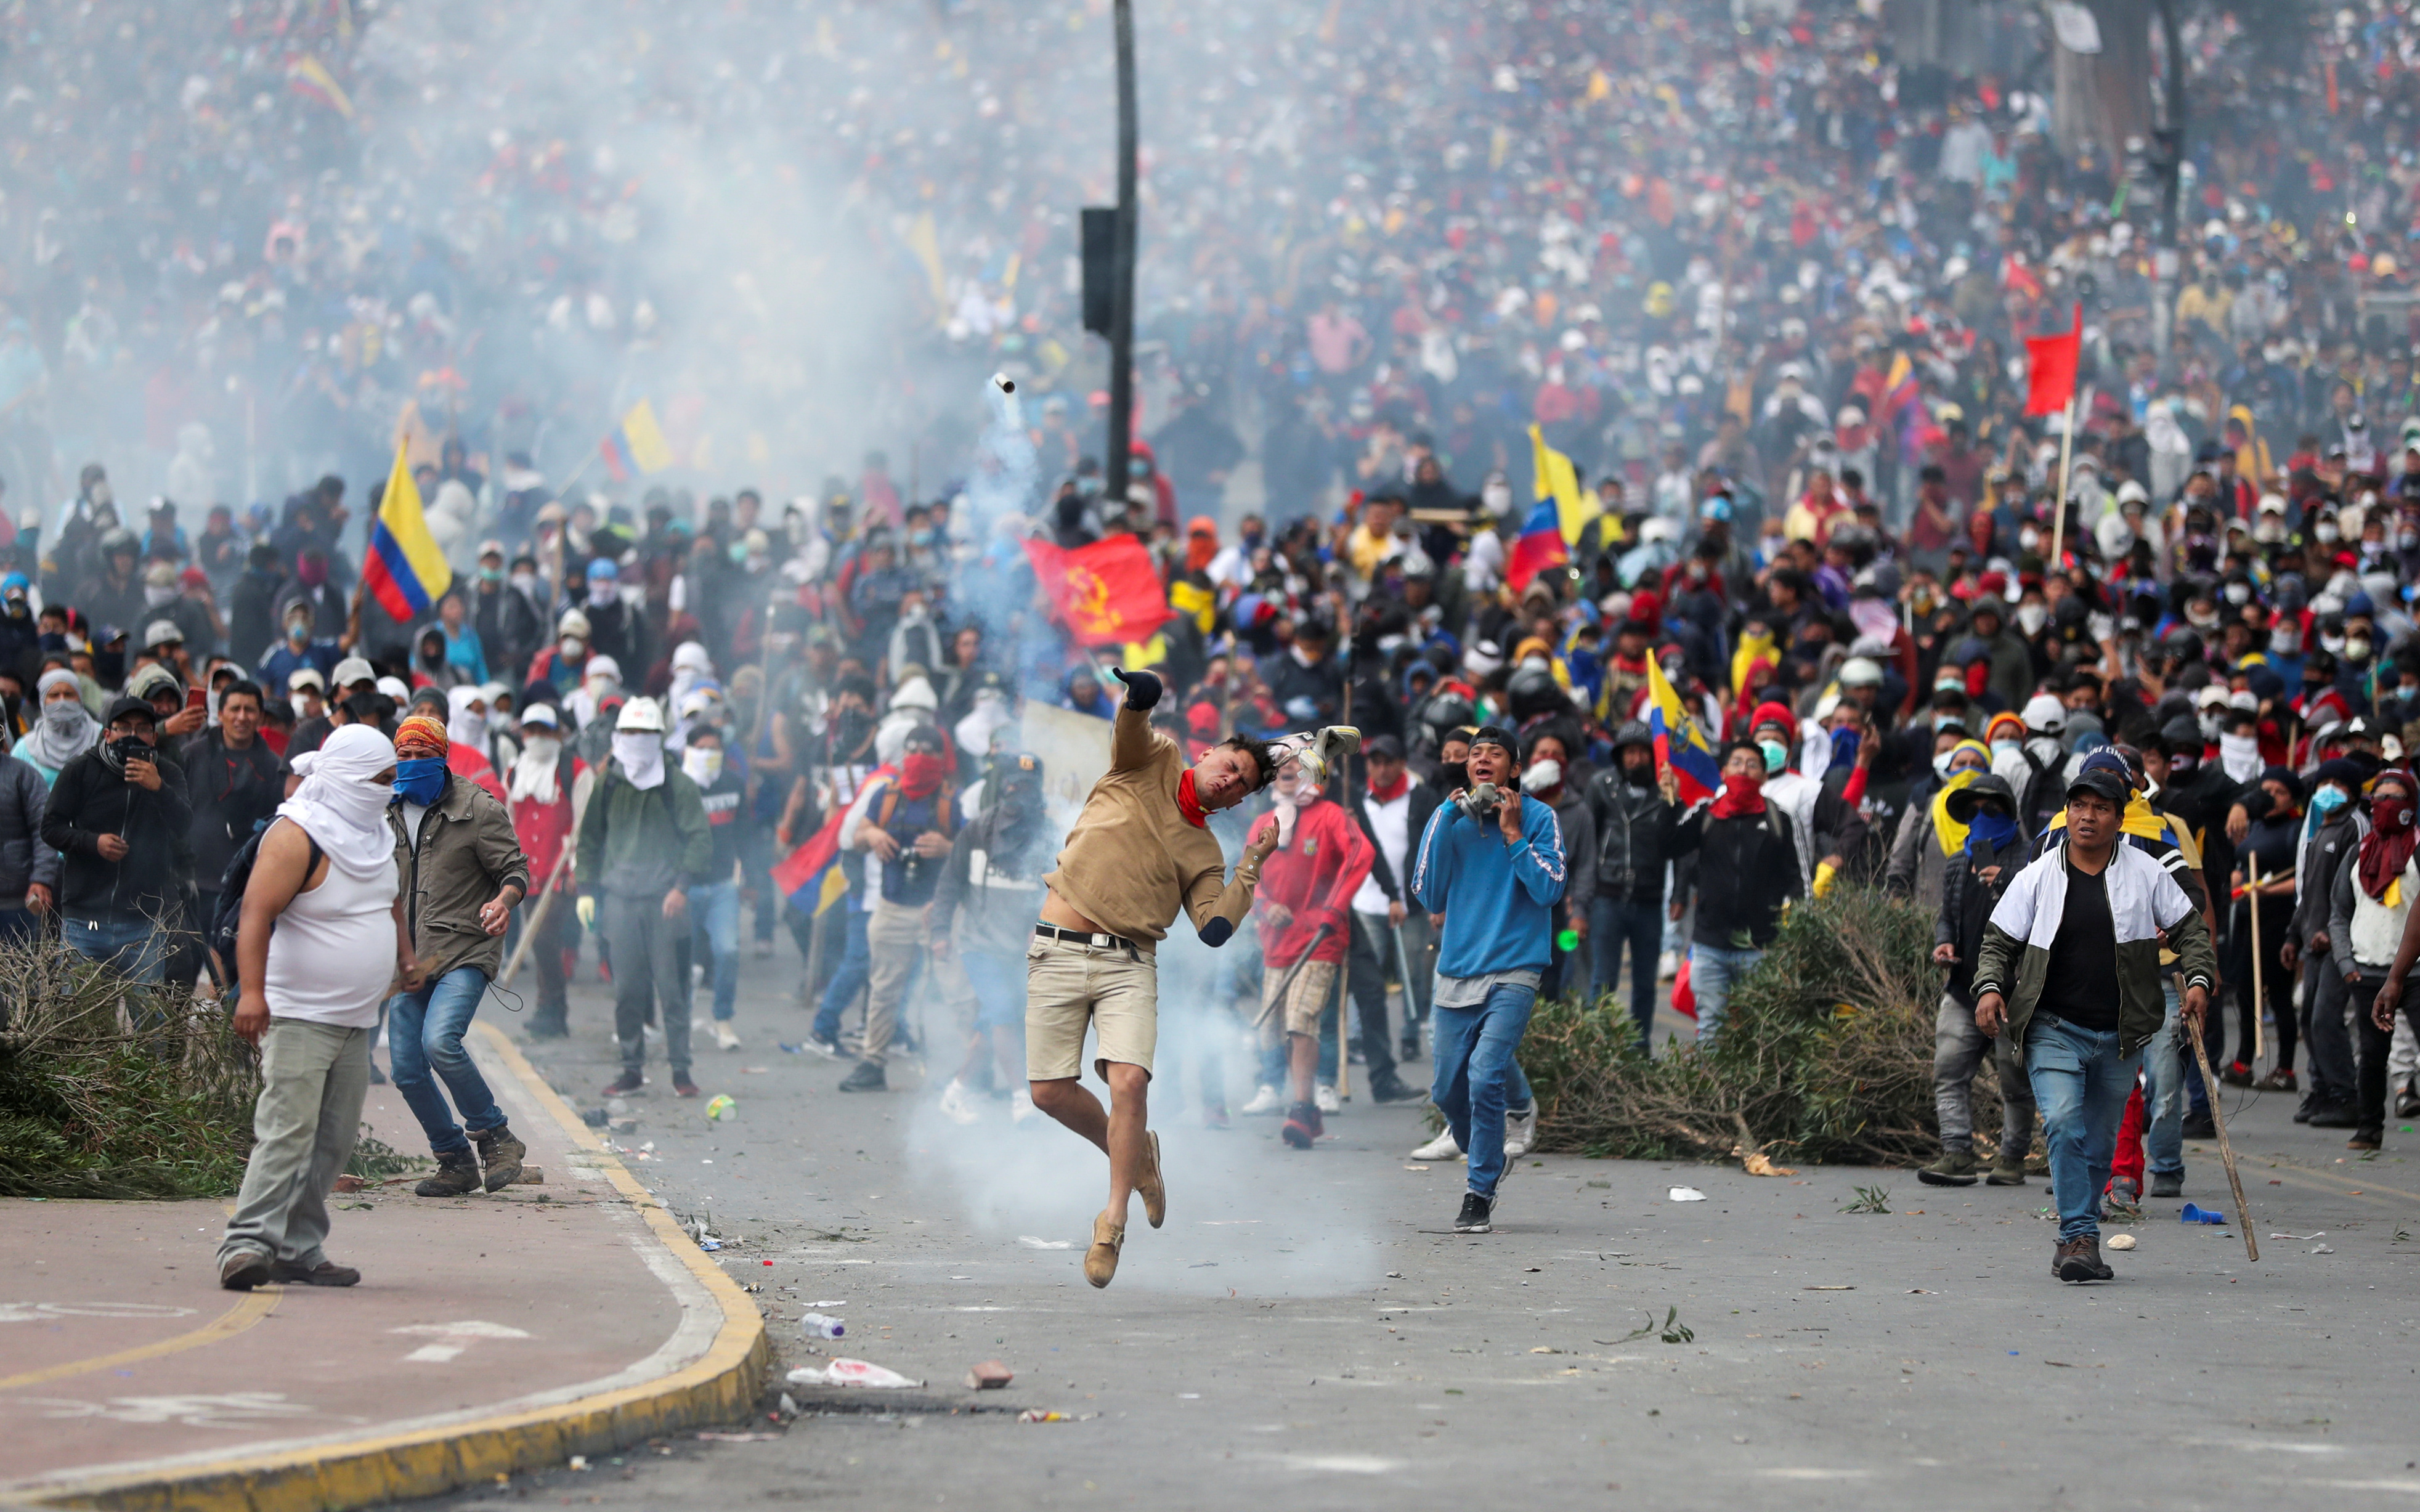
(404, 568)
(636, 445)
(1559, 480)
(1680, 742)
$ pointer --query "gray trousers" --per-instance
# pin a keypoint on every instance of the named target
(1958, 1051)
(648, 966)
(313, 1078)
(2328, 1034)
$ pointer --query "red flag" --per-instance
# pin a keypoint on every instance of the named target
(2050, 368)
(1108, 593)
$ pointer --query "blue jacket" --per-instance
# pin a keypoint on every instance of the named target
(1498, 899)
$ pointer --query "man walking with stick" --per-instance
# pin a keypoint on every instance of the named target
(2071, 964)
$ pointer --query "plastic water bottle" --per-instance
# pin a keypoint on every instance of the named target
(821, 1326)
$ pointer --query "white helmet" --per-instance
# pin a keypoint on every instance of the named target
(641, 714)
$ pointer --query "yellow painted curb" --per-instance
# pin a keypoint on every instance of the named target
(721, 1386)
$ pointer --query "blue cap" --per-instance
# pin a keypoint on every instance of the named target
(602, 567)
(1717, 506)
(14, 582)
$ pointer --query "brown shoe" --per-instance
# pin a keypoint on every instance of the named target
(2366, 1139)
(500, 1155)
(1149, 1184)
(2280, 1079)
(244, 1269)
(1101, 1260)
(2079, 1259)
(326, 1273)
(458, 1175)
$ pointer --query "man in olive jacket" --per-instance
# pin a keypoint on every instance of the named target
(644, 843)
(2071, 964)
(463, 873)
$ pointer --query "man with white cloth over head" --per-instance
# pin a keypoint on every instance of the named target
(324, 880)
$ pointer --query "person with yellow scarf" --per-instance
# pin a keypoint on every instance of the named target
(1927, 835)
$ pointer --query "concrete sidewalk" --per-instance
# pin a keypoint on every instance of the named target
(488, 1334)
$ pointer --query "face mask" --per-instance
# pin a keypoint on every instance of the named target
(1453, 775)
(491, 574)
(2239, 593)
(1543, 776)
(65, 716)
(2029, 538)
(1776, 755)
(2406, 540)
(1943, 721)
(2328, 799)
(571, 648)
(469, 728)
(526, 582)
(2284, 642)
(2181, 766)
(419, 780)
(703, 763)
(2031, 617)
(2326, 533)
(1498, 497)
(920, 772)
(541, 748)
(2356, 649)
(299, 632)
(2210, 726)
(2332, 645)
(2005, 748)
(1941, 764)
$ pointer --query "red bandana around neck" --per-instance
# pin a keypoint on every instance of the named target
(1190, 805)
(1387, 795)
(1739, 798)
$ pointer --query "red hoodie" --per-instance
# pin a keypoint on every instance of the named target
(1315, 875)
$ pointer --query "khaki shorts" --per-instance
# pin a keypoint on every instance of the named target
(1306, 999)
(1067, 986)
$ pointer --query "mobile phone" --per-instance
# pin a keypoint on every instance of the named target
(195, 698)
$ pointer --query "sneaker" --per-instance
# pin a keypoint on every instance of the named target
(1325, 1095)
(1213, 1116)
(1101, 1259)
(1477, 1215)
(2198, 1126)
(2407, 1102)
(2167, 1183)
(1021, 1107)
(649, 1034)
(244, 1269)
(1956, 1168)
(2280, 1079)
(2310, 1105)
(1391, 1088)
(1301, 1128)
(724, 1037)
(827, 1048)
(326, 1273)
(2235, 1074)
(629, 1082)
(500, 1158)
(1440, 1148)
(682, 1086)
(2079, 1259)
(1327, 749)
(1520, 1131)
(1667, 966)
(2366, 1139)
(1150, 1185)
(959, 1104)
(1265, 1101)
(378, 1078)
(2122, 1203)
(2334, 1115)
(1409, 1049)
(458, 1175)
(867, 1077)
(2004, 1173)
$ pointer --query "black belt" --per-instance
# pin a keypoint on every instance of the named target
(1078, 937)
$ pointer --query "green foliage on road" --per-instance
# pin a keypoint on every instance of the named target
(91, 1107)
(1825, 1052)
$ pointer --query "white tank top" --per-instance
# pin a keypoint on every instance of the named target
(333, 954)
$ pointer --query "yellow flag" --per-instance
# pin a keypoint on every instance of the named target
(1556, 479)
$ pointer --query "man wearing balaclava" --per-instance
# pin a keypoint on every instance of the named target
(644, 844)
(904, 822)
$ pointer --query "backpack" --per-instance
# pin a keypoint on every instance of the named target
(228, 919)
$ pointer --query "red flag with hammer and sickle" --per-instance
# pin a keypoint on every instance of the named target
(1107, 593)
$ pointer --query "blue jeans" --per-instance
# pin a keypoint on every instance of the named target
(127, 943)
(714, 919)
(1712, 969)
(998, 985)
(2163, 1098)
(2081, 1085)
(1476, 1077)
(425, 1033)
(856, 968)
(1640, 924)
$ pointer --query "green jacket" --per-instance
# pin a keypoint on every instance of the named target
(465, 856)
(642, 845)
(2145, 905)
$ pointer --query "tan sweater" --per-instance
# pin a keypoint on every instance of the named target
(1131, 861)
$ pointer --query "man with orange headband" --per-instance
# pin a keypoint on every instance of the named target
(463, 875)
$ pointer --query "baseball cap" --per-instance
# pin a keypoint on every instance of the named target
(302, 678)
(1496, 734)
(353, 669)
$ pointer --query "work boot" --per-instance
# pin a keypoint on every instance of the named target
(1301, 1128)
(500, 1155)
(2366, 1139)
(2167, 1183)
(1101, 1260)
(1150, 1185)
(458, 1175)
(867, 1077)
(244, 1269)
(326, 1273)
(2008, 1170)
(1956, 1168)
(2079, 1259)
(2334, 1115)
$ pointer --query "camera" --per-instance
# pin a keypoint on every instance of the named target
(130, 748)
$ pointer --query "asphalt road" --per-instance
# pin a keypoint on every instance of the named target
(1304, 1329)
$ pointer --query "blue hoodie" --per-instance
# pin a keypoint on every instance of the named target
(1498, 899)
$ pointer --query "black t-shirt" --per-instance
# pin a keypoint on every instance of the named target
(2081, 984)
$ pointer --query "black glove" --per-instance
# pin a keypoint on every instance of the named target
(1143, 688)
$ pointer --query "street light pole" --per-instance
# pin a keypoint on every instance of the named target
(1121, 288)
(2170, 138)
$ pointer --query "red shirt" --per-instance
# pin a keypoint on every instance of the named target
(1315, 875)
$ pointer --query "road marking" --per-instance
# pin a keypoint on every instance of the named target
(255, 1306)
(46, 1312)
(457, 1337)
(232, 1409)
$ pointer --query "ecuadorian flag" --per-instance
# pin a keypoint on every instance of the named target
(637, 444)
(1680, 744)
(1555, 479)
(811, 876)
(1537, 547)
(405, 571)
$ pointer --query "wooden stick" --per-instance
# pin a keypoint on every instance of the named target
(2260, 999)
(537, 920)
(2226, 1150)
